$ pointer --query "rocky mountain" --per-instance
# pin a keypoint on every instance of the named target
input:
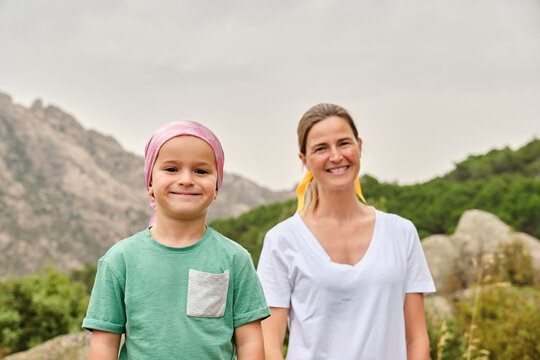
(67, 193)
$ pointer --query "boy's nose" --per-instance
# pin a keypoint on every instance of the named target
(185, 178)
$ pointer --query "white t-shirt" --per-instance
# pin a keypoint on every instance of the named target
(339, 311)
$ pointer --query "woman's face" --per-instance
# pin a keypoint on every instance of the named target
(332, 154)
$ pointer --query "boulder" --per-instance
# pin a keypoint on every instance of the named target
(478, 234)
(65, 347)
(437, 308)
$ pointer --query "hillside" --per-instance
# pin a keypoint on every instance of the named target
(68, 193)
(504, 182)
(523, 162)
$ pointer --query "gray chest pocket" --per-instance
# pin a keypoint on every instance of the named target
(207, 293)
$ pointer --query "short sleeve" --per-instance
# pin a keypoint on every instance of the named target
(106, 311)
(419, 278)
(249, 303)
(273, 272)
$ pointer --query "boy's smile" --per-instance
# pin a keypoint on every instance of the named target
(184, 178)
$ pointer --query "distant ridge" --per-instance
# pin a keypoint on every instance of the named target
(68, 193)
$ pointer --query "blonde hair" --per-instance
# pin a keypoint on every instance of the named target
(314, 115)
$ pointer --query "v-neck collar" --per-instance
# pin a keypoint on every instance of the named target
(310, 237)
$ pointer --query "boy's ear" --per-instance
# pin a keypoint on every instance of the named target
(150, 190)
(215, 194)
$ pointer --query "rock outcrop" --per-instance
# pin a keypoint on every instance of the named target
(65, 347)
(478, 233)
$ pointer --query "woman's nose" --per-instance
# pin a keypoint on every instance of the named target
(335, 154)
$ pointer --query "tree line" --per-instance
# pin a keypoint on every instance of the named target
(503, 182)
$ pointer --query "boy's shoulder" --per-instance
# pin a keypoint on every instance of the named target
(127, 245)
(226, 245)
(216, 244)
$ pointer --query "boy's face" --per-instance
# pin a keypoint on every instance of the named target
(184, 178)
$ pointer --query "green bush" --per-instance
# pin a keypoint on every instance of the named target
(513, 264)
(446, 340)
(497, 313)
(506, 321)
(39, 307)
(85, 276)
(505, 326)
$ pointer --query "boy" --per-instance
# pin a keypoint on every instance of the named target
(179, 289)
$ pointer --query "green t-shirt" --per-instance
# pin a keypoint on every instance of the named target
(176, 303)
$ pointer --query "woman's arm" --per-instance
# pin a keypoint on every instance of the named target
(104, 345)
(274, 328)
(415, 327)
(249, 341)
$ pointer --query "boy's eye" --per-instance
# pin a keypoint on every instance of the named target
(201, 171)
(170, 169)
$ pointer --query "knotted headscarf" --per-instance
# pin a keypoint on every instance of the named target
(174, 129)
(302, 187)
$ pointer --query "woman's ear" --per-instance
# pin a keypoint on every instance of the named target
(360, 146)
(304, 161)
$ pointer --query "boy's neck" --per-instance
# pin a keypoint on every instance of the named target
(178, 233)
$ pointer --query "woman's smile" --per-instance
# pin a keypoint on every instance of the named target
(338, 170)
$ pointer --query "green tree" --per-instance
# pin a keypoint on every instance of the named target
(85, 276)
(39, 307)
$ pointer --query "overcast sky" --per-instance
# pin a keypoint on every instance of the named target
(428, 82)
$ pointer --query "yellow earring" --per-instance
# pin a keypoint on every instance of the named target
(302, 187)
(358, 190)
(301, 190)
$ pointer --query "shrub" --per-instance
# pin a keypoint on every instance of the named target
(38, 307)
(506, 322)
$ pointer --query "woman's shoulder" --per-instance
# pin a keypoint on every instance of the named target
(394, 221)
(287, 227)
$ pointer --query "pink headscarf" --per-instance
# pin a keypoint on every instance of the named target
(174, 129)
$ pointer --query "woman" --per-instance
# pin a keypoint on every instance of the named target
(348, 278)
